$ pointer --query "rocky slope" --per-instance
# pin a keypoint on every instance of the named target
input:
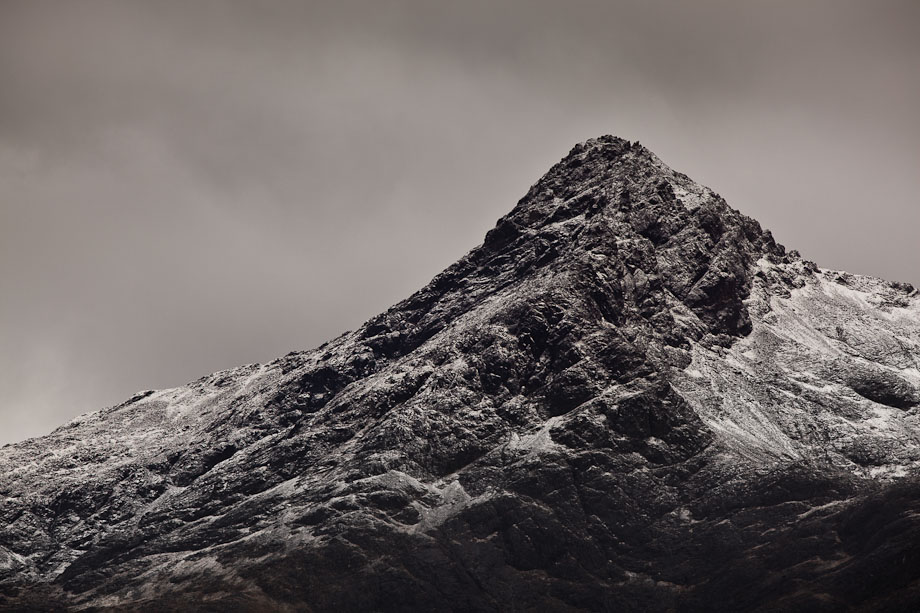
(628, 398)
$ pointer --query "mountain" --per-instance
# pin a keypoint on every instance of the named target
(628, 398)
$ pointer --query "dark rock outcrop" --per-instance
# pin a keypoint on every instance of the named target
(628, 398)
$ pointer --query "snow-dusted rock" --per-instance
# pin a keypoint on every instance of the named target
(628, 398)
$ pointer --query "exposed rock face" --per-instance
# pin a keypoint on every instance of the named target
(628, 398)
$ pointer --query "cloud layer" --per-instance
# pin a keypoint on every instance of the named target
(193, 186)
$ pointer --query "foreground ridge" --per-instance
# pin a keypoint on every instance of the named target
(629, 397)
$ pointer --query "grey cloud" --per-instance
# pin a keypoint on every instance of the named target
(191, 186)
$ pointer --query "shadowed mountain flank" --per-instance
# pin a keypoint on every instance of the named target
(628, 398)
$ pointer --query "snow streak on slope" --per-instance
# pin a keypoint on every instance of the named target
(831, 368)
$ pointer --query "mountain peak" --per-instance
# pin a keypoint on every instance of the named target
(629, 397)
(619, 177)
(605, 141)
(616, 200)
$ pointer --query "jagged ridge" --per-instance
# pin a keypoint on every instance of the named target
(628, 397)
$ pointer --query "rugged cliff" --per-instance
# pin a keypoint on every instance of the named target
(629, 397)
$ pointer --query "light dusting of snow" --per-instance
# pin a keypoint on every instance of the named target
(786, 388)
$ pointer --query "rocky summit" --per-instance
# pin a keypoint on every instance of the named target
(628, 398)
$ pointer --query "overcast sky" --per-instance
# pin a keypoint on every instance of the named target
(190, 186)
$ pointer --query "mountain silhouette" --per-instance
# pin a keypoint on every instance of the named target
(628, 398)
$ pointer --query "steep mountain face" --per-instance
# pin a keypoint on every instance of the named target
(629, 397)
